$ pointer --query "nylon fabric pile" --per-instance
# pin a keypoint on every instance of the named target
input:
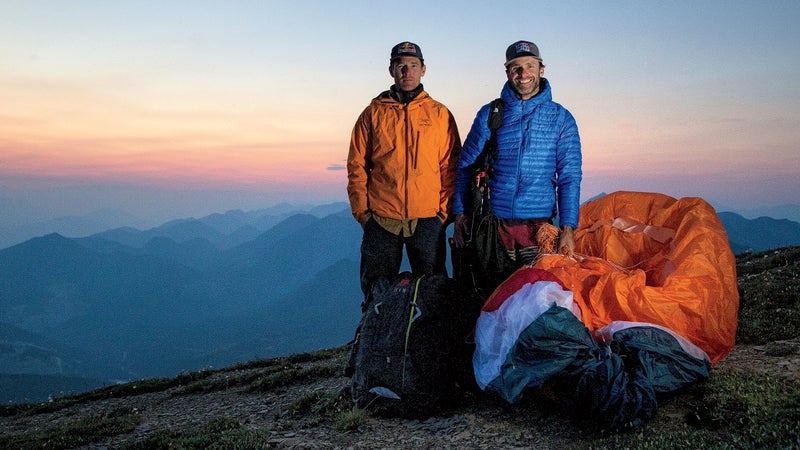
(646, 310)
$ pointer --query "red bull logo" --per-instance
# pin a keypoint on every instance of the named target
(407, 47)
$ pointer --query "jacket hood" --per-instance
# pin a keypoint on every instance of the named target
(386, 97)
(543, 96)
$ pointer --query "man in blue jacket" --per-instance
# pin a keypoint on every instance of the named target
(537, 169)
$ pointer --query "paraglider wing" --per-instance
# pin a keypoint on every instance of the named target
(646, 308)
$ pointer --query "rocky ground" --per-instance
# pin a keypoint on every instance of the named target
(476, 420)
(294, 401)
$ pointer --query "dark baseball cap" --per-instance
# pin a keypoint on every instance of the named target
(522, 48)
(406, 49)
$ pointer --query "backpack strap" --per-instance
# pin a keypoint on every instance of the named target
(484, 161)
(496, 114)
(494, 122)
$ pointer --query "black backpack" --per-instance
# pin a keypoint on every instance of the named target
(483, 264)
(409, 353)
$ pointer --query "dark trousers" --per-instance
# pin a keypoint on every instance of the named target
(382, 251)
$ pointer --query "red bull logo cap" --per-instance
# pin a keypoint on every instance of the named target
(406, 49)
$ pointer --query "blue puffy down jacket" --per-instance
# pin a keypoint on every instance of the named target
(537, 172)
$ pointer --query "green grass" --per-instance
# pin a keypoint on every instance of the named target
(259, 375)
(191, 382)
(769, 296)
(220, 433)
(79, 432)
(273, 373)
(350, 420)
(318, 407)
(115, 391)
(733, 410)
(293, 375)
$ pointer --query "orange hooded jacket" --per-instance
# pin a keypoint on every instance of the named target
(402, 159)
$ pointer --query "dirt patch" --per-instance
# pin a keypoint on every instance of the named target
(475, 420)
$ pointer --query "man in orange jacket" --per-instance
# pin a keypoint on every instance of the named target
(401, 173)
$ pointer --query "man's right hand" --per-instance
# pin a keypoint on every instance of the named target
(460, 233)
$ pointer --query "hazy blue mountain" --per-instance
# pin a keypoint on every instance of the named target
(230, 221)
(234, 226)
(186, 229)
(224, 231)
(32, 388)
(22, 351)
(330, 208)
(316, 243)
(170, 306)
(127, 304)
(322, 313)
(107, 305)
(127, 236)
(180, 230)
(791, 212)
(196, 253)
(330, 304)
(759, 234)
(74, 226)
(244, 234)
(34, 368)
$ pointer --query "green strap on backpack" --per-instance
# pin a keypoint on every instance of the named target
(411, 316)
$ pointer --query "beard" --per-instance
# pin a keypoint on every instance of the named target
(526, 90)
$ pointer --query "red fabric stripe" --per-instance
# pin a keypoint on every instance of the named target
(521, 277)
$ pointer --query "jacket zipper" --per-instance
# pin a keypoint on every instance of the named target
(523, 143)
(408, 155)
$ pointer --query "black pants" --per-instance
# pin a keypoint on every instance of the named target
(382, 251)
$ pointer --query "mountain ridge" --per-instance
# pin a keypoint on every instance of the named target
(167, 292)
(299, 401)
(131, 308)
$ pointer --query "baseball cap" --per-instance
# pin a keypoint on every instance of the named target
(406, 49)
(522, 48)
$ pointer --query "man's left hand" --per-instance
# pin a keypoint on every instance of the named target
(460, 233)
(566, 242)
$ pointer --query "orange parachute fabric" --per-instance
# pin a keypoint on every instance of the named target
(647, 257)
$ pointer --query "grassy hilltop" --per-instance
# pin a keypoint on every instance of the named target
(752, 400)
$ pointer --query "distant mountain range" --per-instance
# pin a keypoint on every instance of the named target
(759, 234)
(236, 225)
(123, 304)
(126, 304)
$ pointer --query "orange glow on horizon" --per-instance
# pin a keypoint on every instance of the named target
(177, 162)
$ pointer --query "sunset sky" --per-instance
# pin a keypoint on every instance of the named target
(193, 107)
